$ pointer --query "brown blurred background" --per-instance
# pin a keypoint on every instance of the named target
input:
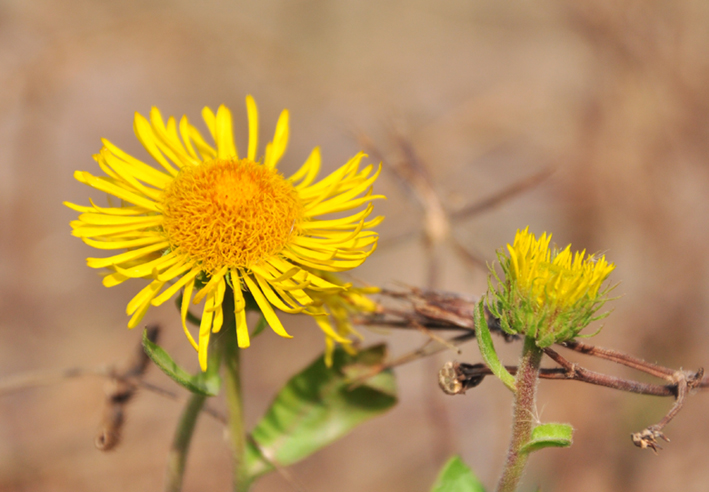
(613, 95)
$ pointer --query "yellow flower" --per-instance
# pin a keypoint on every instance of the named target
(558, 279)
(547, 294)
(210, 222)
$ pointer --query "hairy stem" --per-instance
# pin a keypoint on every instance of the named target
(522, 419)
(177, 458)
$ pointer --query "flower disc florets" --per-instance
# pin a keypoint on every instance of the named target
(547, 294)
(230, 212)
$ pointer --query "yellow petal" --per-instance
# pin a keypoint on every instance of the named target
(224, 134)
(280, 142)
(308, 171)
(103, 184)
(242, 331)
(145, 135)
(184, 309)
(266, 308)
(186, 280)
(252, 112)
(127, 256)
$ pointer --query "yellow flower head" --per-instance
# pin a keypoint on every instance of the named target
(210, 222)
(547, 293)
(555, 278)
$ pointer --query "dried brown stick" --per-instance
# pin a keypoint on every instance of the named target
(171, 395)
(121, 391)
(648, 437)
(431, 347)
(502, 196)
(574, 371)
(48, 377)
(470, 375)
(35, 379)
(621, 358)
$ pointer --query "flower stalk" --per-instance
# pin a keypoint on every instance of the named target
(231, 354)
(237, 431)
(522, 420)
(177, 458)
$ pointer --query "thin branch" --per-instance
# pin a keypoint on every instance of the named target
(130, 377)
(121, 392)
(458, 377)
(171, 395)
(431, 347)
(502, 196)
(622, 358)
(34, 379)
(681, 381)
(647, 438)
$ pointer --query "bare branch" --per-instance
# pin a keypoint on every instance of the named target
(622, 358)
(460, 376)
(503, 195)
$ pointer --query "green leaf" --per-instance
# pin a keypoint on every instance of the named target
(549, 435)
(204, 383)
(457, 477)
(260, 326)
(319, 406)
(487, 349)
(359, 372)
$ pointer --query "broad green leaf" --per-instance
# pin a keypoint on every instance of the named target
(457, 477)
(487, 349)
(319, 406)
(549, 435)
(367, 363)
(205, 383)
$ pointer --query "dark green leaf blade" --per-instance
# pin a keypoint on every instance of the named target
(455, 476)
(487, 349)
(203, 383)
(319, 406)
(549, 435)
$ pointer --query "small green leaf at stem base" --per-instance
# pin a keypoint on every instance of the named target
(487, 349)
(203, 383)
(319, 406)
(455, 476)
(549, 435)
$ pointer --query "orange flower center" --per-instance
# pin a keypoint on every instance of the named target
(230, 212)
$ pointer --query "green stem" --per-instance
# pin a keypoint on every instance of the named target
(522, 420)
(237, 432)
(180, 445)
